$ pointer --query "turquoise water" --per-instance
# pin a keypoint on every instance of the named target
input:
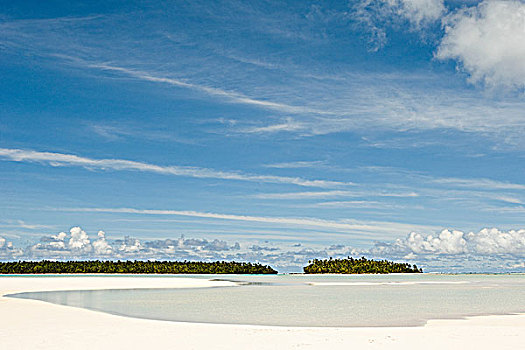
(306, 300)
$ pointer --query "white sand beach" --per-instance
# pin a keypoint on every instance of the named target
(32, 324)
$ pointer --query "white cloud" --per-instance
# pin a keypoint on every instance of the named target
(21, 224)
(506, 199)
(302, 195)
(479, 183)
(288, 256)
(488, 42)
(297, 164)
(513, 210)
(115, 132)
(7, 250)
(25, 225)
(78, 245)
(101, 246)
(333, 194)
(487, 250)
(79, 240)
(487, 242)
(355, 101)
(404, 107)
(60, 236)
(230, 96)
(287, 125)
(377, 15)
(61, 159)
(57, 242)
(418, 12)
(494, 241)
(358, 204)
(130, 246)
(369, 228)
(447, 242)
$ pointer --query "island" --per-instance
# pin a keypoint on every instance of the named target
(358, 266)
(134, 267)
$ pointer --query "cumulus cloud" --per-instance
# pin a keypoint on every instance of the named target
(130, 246)
(485, 39)
(7, 250)
(483, 243)
(101, 246)
(488, 42)
(181, 248)
(79, 240)
(78, 245)
(448, 251)
(494, 241)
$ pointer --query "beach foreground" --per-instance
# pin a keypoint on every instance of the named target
(32, 324)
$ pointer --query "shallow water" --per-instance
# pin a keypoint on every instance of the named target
(312, 300)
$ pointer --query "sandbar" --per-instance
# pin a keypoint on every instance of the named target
(33, 324)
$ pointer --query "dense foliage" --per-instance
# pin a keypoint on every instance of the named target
(363, 265)
(96, 266)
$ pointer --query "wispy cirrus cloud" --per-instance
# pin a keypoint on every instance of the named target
(111, 132)
(297, 164)
(450, 182)
(366, 228)
(21, 224)
(376, 16)
(354, 102)
(483, 184)
(359, 204)
(61, 159)
(232, 96)
(333, 194)
(286, 125)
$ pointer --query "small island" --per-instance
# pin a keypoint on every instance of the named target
(358, 266)
(134, 267)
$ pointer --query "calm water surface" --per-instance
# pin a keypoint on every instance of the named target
(319, 300)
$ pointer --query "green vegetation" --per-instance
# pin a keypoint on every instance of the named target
(96, 266)
(353, 266)
(341, 266)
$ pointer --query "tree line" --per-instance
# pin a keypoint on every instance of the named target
(358, 266)
(134, 267)
(316, 266)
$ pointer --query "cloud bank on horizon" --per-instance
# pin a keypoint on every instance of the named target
(265, 125)
(465, 250)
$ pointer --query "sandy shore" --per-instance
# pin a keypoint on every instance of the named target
(31, 324)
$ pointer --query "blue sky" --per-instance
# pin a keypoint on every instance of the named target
(296, 129)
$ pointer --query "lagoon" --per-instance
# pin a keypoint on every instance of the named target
(311, 300)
